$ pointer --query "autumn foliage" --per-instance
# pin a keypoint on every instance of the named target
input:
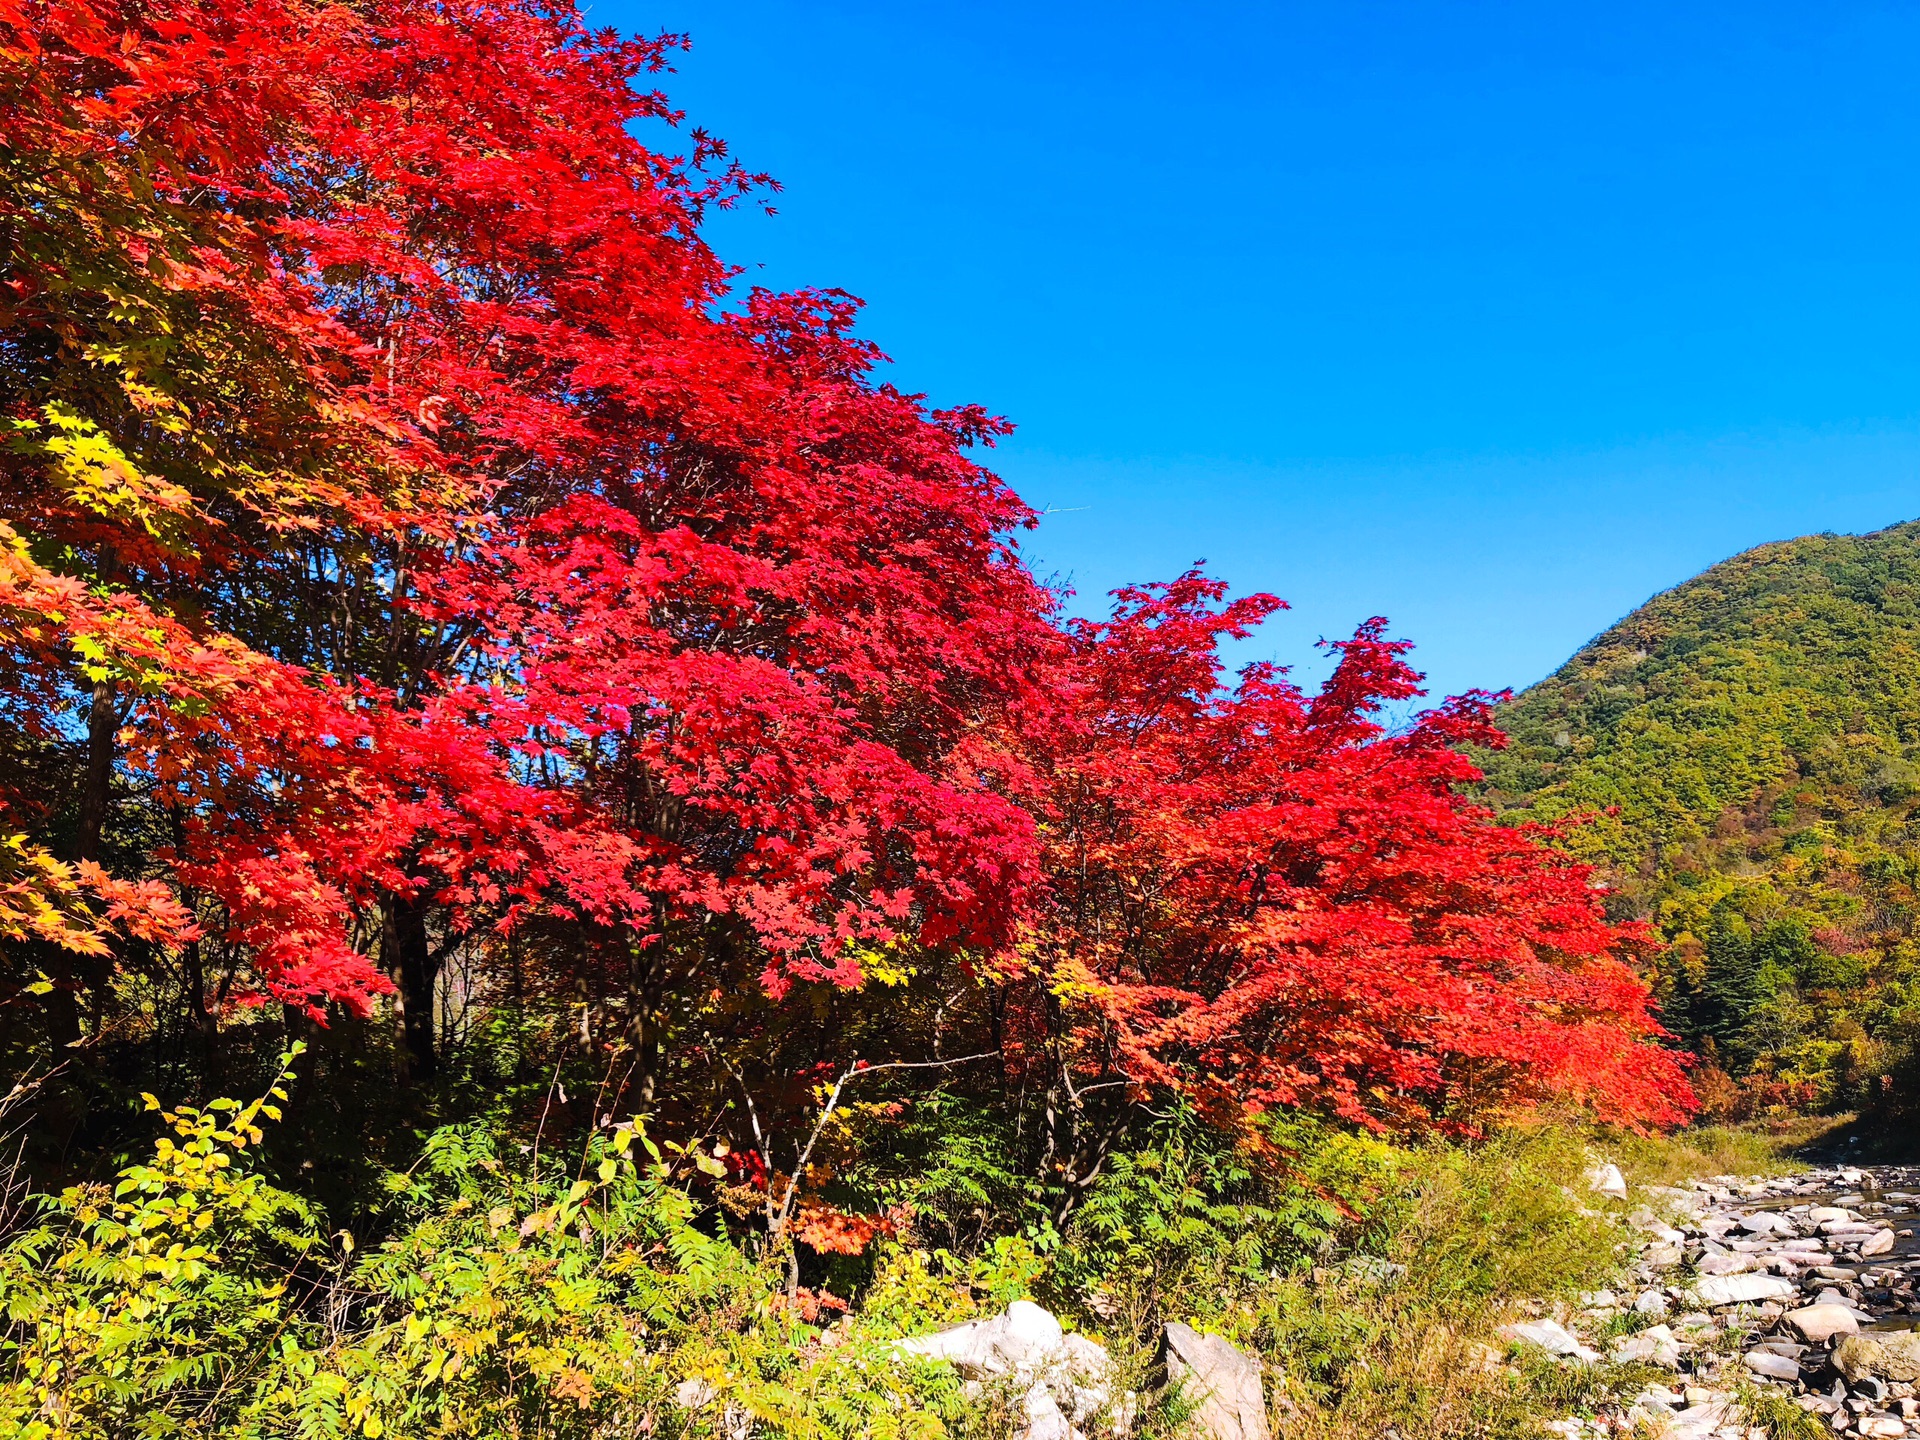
(415, 548)
(1272, 900)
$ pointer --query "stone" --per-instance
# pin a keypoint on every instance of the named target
(1650, 1302)
(1063, 1377)
(1083, 1386)
(1223, 1380)
(1822, 1214)
(1549, 1336)
(969, 1348)
(1879, 1243)
(1774, 1367)
(1652, 1346)
(1885, 1355)
(1044, 1418)
(1818, 1324)
(1029, 1333)
(1607, 1180)
(1664, 1257)
(1718, 1290)
(1881, 1427)
(1696, 1422)
(1727, 1264)
(1765, 1222)
(1025, 1337)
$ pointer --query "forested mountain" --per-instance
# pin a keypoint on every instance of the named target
(1745, 748)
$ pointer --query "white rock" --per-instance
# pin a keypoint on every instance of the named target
(1031, 1332)
(1881, 1427)
(1765, 1222)
(1717, 1290)
(1083, 1387)
(1064, 1376)
(1025, 1337)
(1650, 1302)
(1653, 1346)
(1547, 1334)
(1728, 1264)
(1820, 1323)
(1879, 1243)
(1697, 1422)
(1607, 1180)
(1045, 1421)
(1774, 1367)
(1822, 1214)
(1224, 1380)
(970, 1348)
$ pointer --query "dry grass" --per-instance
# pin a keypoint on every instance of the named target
(1772, 1147)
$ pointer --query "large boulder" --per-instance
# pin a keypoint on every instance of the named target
(1220, 1381)
(1061, 1379)
(1818, 1324)
(1883, 1355)
(1025, 1337)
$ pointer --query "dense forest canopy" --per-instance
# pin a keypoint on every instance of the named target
(1745, 746)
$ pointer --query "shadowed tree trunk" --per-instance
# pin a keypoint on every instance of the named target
(408, 957)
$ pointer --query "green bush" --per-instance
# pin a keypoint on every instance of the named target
(559, 1300)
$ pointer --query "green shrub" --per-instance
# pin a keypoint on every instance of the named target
(569, 1301)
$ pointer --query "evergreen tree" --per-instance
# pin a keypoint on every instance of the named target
(1730, 991)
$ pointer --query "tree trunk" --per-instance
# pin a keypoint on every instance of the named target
(103, 719)
(409, 959)
(93, 974)
(643, 1023)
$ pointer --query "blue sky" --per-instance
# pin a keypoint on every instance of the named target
(1494, 319)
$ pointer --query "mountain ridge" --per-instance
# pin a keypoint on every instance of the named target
(1745, 747)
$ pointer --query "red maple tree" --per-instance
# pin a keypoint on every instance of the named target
(1267, 899)
(406, 518)
(458, 556)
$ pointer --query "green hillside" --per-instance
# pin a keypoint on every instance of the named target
(1748, 745)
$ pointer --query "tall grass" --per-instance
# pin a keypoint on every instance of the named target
(1754, 1148)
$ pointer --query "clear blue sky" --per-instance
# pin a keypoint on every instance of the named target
(1494, 319)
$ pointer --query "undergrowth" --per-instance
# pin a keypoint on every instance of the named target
(1755, 1148)
(587, 1293)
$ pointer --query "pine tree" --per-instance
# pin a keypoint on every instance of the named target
(1730, 991)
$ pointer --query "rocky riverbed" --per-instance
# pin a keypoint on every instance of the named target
(1807, 1286)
